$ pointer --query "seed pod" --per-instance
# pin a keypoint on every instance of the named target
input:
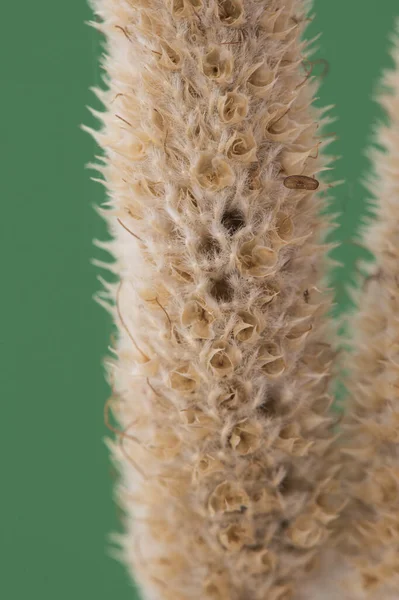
(301, 182)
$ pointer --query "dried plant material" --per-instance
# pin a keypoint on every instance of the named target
(233, 107)
(264, 562)
(271, 360)
(255, 259)
(183, 379)
(246, 437)
(235, 536)
(231, 397)
(266, 502)
(169, 57)
(282, 592)
(299, 332)
(166, 445)
(217, 64)
(231, 12)
(291, 441)
(284, 228)
(207, 465)
(305, 532)
(217, 588)
(261, 80)
(223, 358)
(197, 315)
(212, 172)
(301, 182)
(248, 327)
(370, 478)
(295, 162)
(228, 496)
(139, 146)
(224, 354)
(242, 147)
(233, 220)
(184, 8)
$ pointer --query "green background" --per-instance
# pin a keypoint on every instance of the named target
(56, 500)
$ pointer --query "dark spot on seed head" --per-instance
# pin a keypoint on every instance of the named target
(209, 246)
(233, 220)
(221, 290)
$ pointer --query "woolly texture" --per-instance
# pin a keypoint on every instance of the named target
(224, 353)
(371, 477)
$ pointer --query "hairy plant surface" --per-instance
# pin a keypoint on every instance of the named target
(370, 523)
(224, 353)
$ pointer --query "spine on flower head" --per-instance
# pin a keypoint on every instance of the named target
(225, 351)
(370, 526)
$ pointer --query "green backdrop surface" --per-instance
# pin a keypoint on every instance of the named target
(56, 496)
